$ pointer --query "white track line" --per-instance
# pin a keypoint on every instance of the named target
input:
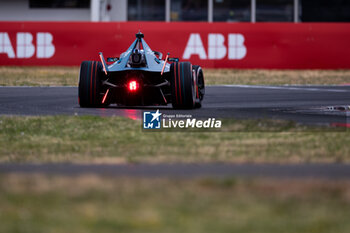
(293, 88)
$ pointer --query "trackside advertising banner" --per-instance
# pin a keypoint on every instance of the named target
(214, 45)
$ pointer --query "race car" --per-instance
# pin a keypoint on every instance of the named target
(140, 77)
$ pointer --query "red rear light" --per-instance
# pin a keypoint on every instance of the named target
(133, 85)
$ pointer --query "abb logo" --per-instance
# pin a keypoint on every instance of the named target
(25, 47)
(216, 47)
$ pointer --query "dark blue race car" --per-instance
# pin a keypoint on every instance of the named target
(139, 77)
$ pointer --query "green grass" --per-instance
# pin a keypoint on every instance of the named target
(34, 203)
(68, 76)
(121, 140)
(39, 76)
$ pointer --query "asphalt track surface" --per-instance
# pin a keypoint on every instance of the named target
(304, 104)
(299, 171)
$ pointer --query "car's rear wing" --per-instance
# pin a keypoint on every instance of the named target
(104, 64)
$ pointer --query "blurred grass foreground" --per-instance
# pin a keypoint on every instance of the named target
(88, 203)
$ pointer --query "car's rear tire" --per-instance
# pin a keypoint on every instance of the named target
(199, 85)
(182, 85)
(90, 84)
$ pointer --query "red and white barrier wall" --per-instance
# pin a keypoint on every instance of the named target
(215, 45)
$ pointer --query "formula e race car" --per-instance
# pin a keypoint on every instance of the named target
(139, 77)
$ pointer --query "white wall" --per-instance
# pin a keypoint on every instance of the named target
(119, 11)
(18, 10)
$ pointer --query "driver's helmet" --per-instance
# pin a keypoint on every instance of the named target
(137, 57)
